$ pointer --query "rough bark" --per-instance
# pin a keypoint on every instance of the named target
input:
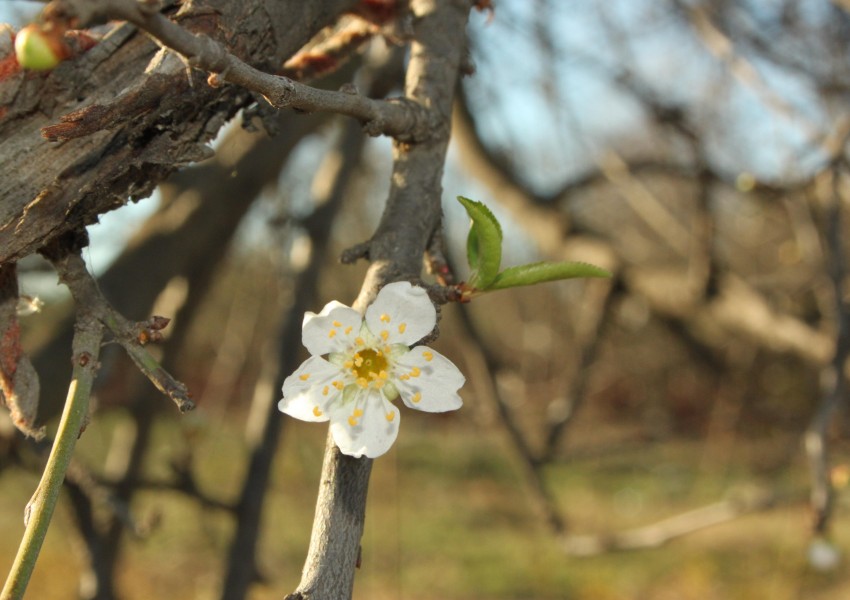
(144, 114)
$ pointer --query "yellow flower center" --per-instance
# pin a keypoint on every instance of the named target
(369, 365)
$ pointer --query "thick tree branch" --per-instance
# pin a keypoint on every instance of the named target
(396, 251)
(400, 117)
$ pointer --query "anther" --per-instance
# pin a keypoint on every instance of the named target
(337, 324)
(416, 397)
(325, 391)
(402, 327)
(428, 356)
(332, 333)
(385, 318)
(352, 421)
(390, 416)
(317, 411)
(304, 377)
(348, 330)
(385, 334)
(415, 372)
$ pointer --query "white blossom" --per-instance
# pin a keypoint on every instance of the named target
(361, 364)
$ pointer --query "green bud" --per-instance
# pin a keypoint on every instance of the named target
(35, 50)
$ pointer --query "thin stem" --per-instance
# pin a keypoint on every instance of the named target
(39, 510)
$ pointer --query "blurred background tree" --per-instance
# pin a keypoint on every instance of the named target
(696, 149)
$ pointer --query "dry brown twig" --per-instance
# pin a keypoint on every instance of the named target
(131, 336)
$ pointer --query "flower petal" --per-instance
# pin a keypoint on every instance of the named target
(428, 381)
(371, 430)
(401, 314)
(332, 330)
(309, 393)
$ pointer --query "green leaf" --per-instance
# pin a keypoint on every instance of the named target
(483, 245)
(544, 271)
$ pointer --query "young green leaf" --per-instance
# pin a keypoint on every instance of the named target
(544, 271)
(484, 244)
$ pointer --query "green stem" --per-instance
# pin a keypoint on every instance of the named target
(39, 510)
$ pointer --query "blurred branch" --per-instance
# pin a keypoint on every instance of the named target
(658, 534)
(833, 376)
(601, 297)
(483, 366)
(339, 168)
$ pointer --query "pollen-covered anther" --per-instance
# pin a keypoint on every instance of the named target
(358, 360)
(416, 397)
(332, 333)
(359, 341)
(402, 327)
(352, 421)
(390, 416)
(325, 391)
(415, 372)
(429, 356)
(385, 334)
(304, 377)
(348, 329)
(358, 413)
(349, 364)
(404, 376)
(337, 324)
(383, 375)
(385, 318)
(362, 382)
(338, 385)
(317, 411)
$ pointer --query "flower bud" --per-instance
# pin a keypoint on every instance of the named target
(37, 49)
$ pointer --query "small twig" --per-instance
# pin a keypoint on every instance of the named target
(398, 117)
(72, 272)
(39, 510)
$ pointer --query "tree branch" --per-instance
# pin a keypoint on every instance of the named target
(396, 251)
(401, 118)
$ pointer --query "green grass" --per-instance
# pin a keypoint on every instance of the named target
(448, 518)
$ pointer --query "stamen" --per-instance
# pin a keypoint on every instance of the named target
(358, 360)
(358, 413)
(338, 385)
(348, 330)
(387, 349)
(304, 377)
(383, 375)
(416, 397)
(429, 356)
(361, 381)
(385, 334)
(385, 318)
(390, 416)
(348, 364)
(404, 376)
(325, 391)
(337, 324)
(317, 411)
(402, 327)
(359, 341)
(373, 375)
(415, 372)
(352, 421)
(332, 333)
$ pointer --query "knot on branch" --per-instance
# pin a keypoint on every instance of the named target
(281, 93)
